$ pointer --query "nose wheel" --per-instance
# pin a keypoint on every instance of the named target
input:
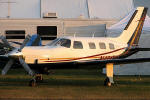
(38, 78)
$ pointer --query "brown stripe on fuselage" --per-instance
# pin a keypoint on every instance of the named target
(93, 56)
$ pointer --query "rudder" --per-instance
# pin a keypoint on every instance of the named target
(133, 29)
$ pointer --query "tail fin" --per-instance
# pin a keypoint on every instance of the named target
(132, 31)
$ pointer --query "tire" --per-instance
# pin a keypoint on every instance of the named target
(107, 82)
(39, 79)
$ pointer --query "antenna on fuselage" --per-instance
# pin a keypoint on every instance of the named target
(93, 35)
(74, 35)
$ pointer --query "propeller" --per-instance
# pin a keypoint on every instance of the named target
(25, 42)
(7, 66)
(16, 54)
(6, 43)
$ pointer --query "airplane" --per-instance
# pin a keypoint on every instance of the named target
(83, 50)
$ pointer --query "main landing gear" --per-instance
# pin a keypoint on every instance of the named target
(109, 73)
(108, 82)
(38, 78)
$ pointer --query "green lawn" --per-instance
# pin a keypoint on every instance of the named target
(74, 84)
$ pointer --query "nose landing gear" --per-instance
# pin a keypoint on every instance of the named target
(38, 78)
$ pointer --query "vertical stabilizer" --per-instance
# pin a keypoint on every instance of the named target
(132, 31)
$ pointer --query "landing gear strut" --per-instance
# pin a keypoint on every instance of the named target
(109, 73)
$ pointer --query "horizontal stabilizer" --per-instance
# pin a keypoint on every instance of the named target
(140, 49)
(143, 49)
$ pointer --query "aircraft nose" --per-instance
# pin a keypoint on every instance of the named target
(15, 53)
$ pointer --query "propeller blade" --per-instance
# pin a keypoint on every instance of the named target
(35, 40)
(7, 66)
(26, 67)
(6, 43)
(25, 42)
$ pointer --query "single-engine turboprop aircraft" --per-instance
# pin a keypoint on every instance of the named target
(85, 50)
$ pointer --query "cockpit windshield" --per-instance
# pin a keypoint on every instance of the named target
(53, 42)
(60, 42)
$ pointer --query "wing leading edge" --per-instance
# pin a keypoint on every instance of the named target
(119, 61)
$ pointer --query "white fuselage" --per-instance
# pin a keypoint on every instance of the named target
(92, 49)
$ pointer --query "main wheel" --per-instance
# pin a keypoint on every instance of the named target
(39, 78)
(32, 83)
(107, 82)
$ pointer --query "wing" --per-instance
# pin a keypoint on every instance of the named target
(119, 61)
(140, 49)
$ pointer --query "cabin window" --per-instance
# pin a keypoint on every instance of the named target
(111, 46)
(47, 32)
(92, 45)
(77, 45)
(102, 45)
(15, 34)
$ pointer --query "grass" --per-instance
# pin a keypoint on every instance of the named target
(74, 84)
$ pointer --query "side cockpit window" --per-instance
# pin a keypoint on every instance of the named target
(102, 45)
(65, 43)
(77, 45)
(92, 45)
(111, 46)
